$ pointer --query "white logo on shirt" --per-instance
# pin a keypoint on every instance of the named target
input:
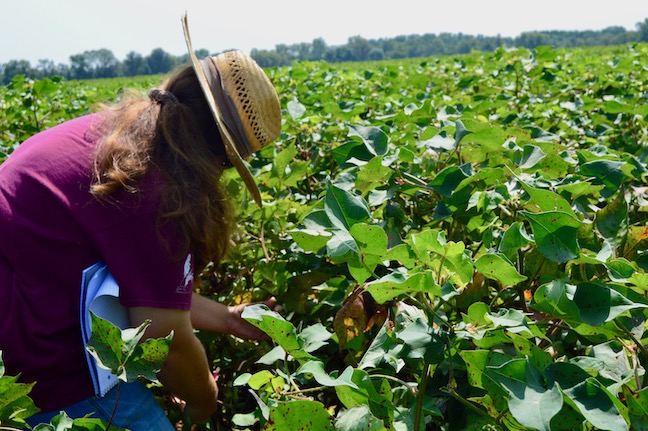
(188, 277)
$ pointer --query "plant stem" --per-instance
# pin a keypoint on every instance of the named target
(412, 387)
(114, 408)
(421, 397)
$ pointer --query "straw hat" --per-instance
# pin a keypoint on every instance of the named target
(243, 102)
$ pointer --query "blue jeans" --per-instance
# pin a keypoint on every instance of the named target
(137, 409)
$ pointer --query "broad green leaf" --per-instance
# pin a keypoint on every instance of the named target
(365, 393)
(556, 299)
(342, 247)
(121, 351)
(599, 303)
(310, 240)
(15, 403)
(374, 138)
(421, 342)
(358, 418)
(298, 416)
(606, 172)
(508, 318)
(460, 132)
(344, 209)
(371, 246)
(620, 269)
(372, 175)
(530, 401)
(279, 329)
(555, 234)
(612, 220)
(316, 369)
(597, 405)
(546, 200)
(477, 314)
(398, 283)
(530, 157)
(259, 379)
(497, 268)
(447, 254)
(314, 337)
(637, 408)
(446, 181)
(514, 238)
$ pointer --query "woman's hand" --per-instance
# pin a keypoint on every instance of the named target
(241, 328)
(212, 316)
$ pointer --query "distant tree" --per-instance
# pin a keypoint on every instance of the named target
(79, 67)
(160, 61)
(642, 29)
(16, 67)
(134, 64)
(319, 49)
(359, 47)
(102, 63)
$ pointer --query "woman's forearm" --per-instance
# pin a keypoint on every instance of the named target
(185, 373)
(208, 315)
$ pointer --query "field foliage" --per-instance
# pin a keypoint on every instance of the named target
(458, 243)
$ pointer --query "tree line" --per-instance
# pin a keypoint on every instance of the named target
(102, 63)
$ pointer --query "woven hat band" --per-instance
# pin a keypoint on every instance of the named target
(230, 116)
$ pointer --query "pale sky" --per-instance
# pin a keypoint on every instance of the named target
(49, 29)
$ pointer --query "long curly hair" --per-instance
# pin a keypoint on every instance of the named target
(181, 140)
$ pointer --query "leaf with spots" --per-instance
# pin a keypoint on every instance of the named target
(121, 351)
(555, 234)
(497, 268)
(279, 329)
(599, 303)
(530, 400)
(299, 416)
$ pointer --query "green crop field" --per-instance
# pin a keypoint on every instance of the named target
(458, 243)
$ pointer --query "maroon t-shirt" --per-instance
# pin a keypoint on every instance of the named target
(51, 229)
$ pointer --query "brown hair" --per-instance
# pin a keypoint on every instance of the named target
(179, 137)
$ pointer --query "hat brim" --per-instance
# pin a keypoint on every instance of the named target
(230, 147)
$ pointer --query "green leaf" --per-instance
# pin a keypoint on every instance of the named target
(374, 138)
(606, 172)
(446, 181)
(344, 209)
(298, 416)
(397, 283)
(514, 238)
(15, 403)
(358, 418)
(316, 369)
(121, 352)
(555, 234)
(612, 220)
(531, 403)
(310, 240)
(371, 245)
(259, 379)
(599, 303)
(460, 132)
(546, 200)
(447, 254)
(637, 408)
(314, 337)
(555, 299)
(530, 157)
(421, 342)
(279, 329)
(497, 268)
(597, 405)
